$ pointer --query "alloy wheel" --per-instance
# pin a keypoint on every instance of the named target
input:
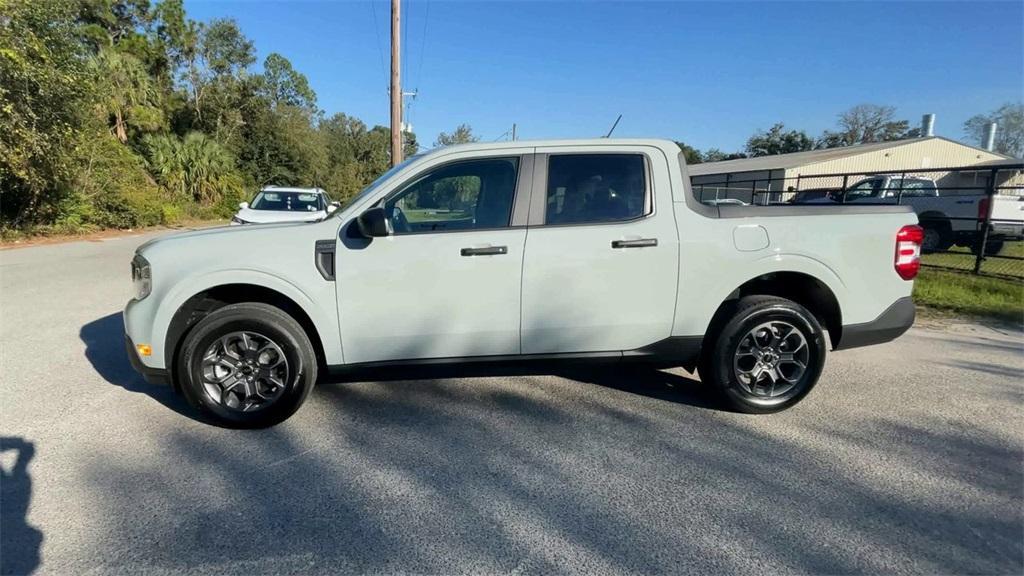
(244, 371)
(771, 359)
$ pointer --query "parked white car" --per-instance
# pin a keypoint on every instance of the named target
(542, 252)
(278, 204)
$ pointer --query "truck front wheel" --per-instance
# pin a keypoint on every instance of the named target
(764, 355)
(248, 365)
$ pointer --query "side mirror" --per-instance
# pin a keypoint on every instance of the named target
(373, 223)
(243, 205)
(333, 206)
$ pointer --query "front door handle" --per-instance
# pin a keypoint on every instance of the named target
(642, 243)
(488, 251)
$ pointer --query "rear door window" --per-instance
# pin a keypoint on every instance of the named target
(596, 188)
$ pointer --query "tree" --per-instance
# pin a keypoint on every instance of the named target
(40, 120)
(284, 86)
(1009, 119)
(108, 22)
(463, 134)
(866, 123)
(210, 57)
(127, 96)
(117, 113)
(778, 141)
(691, 154)
(225, 49)
(177, 35)
(716, 155)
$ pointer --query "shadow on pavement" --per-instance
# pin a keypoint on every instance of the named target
(540, 476)
(423, 472)
(630, 378)
(19, 542)
(105, 350)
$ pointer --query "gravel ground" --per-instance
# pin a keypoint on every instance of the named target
(907, 458)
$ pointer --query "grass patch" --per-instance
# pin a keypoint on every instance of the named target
(960, 258)
(971, 295)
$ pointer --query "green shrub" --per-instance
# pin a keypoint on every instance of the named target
(172, 214)
(115, 191)
(194, 168)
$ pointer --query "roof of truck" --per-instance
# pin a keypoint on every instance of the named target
(660, 143)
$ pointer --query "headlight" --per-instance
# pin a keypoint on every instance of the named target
(142, 277)
(237, 220)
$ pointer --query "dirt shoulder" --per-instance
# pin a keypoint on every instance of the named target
(105, 234)
(947, 321)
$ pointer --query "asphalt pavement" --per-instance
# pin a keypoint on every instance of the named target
(908, 458)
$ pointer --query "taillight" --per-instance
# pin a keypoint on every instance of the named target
(908, 251)
(983, 208)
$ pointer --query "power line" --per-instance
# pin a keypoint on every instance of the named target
(376, 31)
(407, 11)
(423, 43)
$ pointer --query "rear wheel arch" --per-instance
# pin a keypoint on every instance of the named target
(199, 305)
(799, 287)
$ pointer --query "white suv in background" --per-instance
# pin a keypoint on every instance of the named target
(278, 204)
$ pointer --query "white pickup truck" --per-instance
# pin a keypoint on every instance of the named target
(947, 219)
(556, 251)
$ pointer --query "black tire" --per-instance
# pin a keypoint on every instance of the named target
(937, 237)
(251, 318)
(733, 325)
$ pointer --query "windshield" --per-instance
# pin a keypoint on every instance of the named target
(380, 180)
(864, 189)
(287, 201)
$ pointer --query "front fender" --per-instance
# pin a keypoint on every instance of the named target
(324, 321)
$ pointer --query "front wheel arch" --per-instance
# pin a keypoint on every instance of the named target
(198, 306)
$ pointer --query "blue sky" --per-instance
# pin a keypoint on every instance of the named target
(707, 73)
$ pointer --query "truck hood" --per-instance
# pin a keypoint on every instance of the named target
(250, 233)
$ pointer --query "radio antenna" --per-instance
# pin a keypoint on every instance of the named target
(608, 135)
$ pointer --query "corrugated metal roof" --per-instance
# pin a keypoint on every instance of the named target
(1005, 162)
(796, 159)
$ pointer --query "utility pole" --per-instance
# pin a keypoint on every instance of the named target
(396, 85)
(513, 132)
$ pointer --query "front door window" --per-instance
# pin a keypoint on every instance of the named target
(476, 194)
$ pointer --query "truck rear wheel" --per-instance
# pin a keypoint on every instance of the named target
(765, 355)
(937, 237)
(248, 365)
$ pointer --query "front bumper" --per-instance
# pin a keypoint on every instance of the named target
(890, 324)
(152, 375)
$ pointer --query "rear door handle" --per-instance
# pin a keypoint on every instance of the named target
(642, 243)
(488, 251)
